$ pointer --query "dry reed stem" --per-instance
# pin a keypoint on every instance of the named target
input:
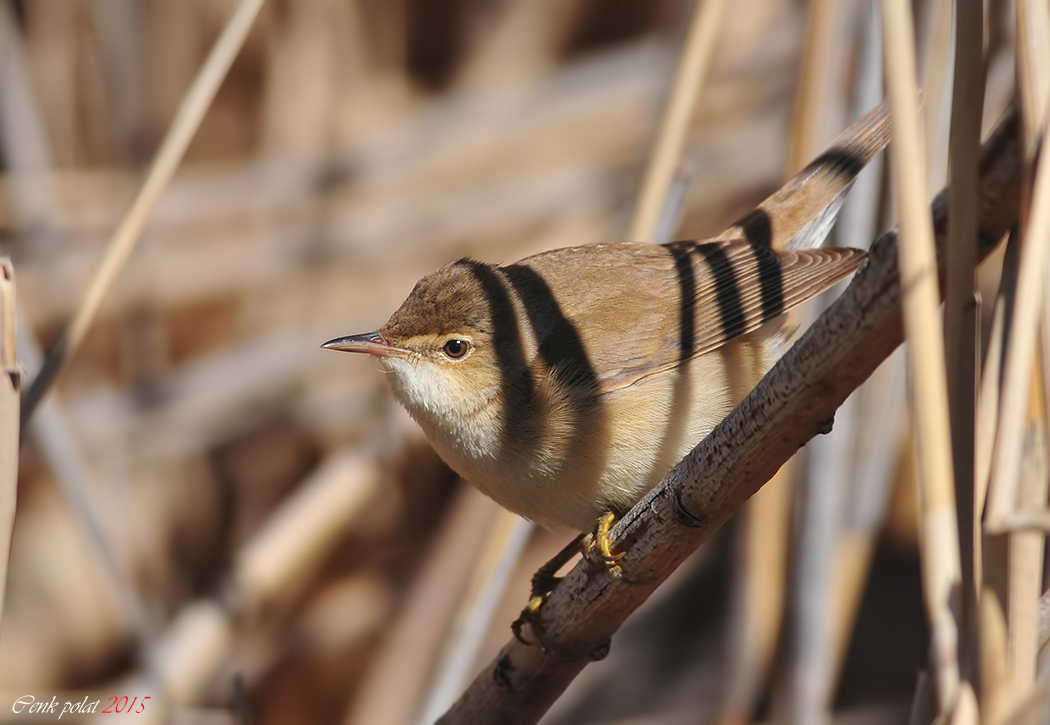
(994, 666)
(26, 151)
(1044, 619)
(670, 138)
(882, 400)
(929, 398)
(814, 88)
(191, 111)
(762, 552)
(518, 46)
(960, 303)
(1026, 563)
(986, 418)
(808, 670)
(937, 84)
(298, 535)
(9, 433)
(966, 710)
(467, 633)
(792, 404)
(876, 471)
(303, 529)
(34, 216)
(184, 660)
(1033, 67)
(51, 431)
(819, 106)
(1029, 299)
(1021, 484)
(391, 690)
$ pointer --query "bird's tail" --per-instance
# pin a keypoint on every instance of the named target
(801, 213)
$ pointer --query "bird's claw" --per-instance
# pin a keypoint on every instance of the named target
(543, 583)
(528, 616)
(598, 548)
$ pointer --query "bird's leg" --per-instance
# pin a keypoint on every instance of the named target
(543, 583)
(599, 539)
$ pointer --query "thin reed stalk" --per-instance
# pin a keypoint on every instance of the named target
(670, 138)
(9, 392)
(994, 668)
(502, 552)
(1026, 561)
(881, 401)
(35, 211)
(191, 111)
(1020, 351)
(929, 399)
(960, 304)
(395, 684)
(937, 82)
(808, 674)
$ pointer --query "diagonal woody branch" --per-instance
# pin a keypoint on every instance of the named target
(793, 403)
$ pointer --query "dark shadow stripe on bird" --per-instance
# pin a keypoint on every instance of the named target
(770, 280)
(842, 161)
(560, 345)
(570, 378)
(683, 265)
(730, 306)
(515, 376)
(757, 228)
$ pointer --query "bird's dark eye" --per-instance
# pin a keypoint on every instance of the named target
(456, 349)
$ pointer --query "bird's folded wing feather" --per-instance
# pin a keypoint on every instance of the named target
(650, 308)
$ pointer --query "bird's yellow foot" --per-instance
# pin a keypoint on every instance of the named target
(543, 583)
(597, 547)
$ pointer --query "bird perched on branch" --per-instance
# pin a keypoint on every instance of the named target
(566, 385)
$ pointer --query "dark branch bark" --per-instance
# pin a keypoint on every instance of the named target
(794, 402)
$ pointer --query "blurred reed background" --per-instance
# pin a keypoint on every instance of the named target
(214, 512)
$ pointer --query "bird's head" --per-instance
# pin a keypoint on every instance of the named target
(438, 346)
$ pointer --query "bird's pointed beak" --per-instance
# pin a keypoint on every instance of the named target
(371, 343)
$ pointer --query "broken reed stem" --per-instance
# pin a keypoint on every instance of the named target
(929, 397)
(1020, 351)
(692, 69)
(791, 405)
(184, 126)
(960, 303)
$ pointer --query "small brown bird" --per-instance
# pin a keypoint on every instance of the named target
(566, 385)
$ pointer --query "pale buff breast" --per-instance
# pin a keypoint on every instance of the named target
(611, 456)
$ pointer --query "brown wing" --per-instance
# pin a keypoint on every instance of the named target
(637, 309)
(740, 285)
